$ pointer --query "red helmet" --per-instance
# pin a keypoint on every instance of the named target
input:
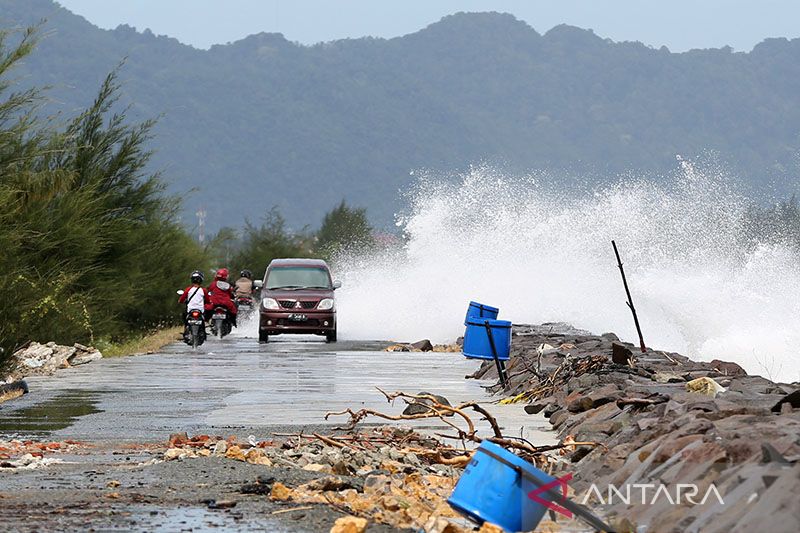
(222, 273)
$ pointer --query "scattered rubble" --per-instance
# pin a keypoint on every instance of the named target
(30, 454)
(424, 346)
(30, 462)
(45, 359)
(404, 501)
(390, 475)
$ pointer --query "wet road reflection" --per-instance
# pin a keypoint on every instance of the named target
(238, 383)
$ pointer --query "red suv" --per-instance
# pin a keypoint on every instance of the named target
(297, 297)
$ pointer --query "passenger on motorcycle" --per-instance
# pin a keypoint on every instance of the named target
(244, 285)
(220, 293)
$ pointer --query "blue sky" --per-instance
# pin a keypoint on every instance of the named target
(678, 24)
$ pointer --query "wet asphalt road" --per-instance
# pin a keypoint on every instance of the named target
(123, 407)
(236, 385)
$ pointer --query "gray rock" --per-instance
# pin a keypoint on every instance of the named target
(550, 409)
(423, 345)
(620, 354)
(727, 368)
(667, 377)
(412, 459)
(395, 454)
(770, 455)
(440, 468)
(82, 357)
(588, 345)
(220, 447)
(419, 407)
(793, 399)
(559, 417)
(579, 405)
(606, 394)
(535, 408)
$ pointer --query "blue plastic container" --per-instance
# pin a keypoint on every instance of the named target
(492, 490)
(476, 339)
(480, 310)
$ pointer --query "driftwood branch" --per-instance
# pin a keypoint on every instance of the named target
(440, 411)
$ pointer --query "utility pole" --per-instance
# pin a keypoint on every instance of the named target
(201, 225)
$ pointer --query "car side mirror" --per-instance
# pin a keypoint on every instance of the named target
(337, 284)
(258, 283)
(180, 292)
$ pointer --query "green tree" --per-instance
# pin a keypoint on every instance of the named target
(271, 240)
(224, 246)
(91, 245)
(344, 229)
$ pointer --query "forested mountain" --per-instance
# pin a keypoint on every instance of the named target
(264, 121)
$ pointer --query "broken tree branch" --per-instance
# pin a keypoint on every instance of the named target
(630, 300)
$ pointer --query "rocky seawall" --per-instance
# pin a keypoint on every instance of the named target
(672, 444)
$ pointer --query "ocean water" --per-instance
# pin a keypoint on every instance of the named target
(542, 254)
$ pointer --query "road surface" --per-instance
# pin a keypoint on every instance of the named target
(122, 406)
(238, 384)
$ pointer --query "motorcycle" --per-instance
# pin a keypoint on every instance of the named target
(194, 333)
(221, 324)
(245, 306)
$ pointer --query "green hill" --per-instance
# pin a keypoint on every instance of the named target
(264, 121)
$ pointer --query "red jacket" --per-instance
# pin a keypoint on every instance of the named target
(221, 296)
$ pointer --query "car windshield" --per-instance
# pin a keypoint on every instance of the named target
(297, 277)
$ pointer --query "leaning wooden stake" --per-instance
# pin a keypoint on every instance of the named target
(501, 368)
(630, 300)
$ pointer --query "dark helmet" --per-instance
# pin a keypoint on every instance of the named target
(246, 274)
(197, 277)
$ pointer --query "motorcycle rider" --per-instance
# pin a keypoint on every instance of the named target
(220, 293)
(244, 285)
(195, 297)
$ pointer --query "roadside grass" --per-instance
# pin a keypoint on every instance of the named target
(147, 343)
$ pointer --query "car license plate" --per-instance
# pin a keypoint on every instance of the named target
(298, 318)
(218, 317)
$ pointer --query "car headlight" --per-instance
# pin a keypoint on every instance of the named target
(325, 304)
(270, 303)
